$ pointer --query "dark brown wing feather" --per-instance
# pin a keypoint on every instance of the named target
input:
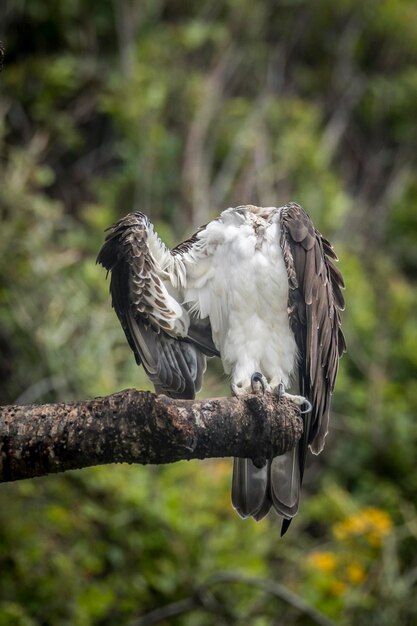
(175, 365)
(314, 304)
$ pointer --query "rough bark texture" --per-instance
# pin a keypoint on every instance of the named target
(141, 427)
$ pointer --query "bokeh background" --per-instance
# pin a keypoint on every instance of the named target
(181, 108)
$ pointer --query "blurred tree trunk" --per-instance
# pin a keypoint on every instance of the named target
(197, 166)
(141, 427)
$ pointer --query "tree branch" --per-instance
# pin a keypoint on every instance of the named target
(141, 427)
(198, 600)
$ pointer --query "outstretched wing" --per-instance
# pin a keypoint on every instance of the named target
(156, 326)
(314, 302)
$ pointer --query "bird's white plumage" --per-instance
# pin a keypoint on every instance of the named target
(236, 277)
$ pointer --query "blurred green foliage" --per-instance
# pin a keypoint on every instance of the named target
(181, 109)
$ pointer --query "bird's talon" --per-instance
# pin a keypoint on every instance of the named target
(237, 391)
(309, 407)
(258, 379)
(300, 401)
(281, 390)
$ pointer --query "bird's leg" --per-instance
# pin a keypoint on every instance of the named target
(300, 400)
(238, 391)
(280, 389)
(258, 385)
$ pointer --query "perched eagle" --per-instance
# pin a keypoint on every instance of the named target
(256, 286)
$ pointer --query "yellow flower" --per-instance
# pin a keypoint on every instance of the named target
(372, 523)
(355, 573)
(324, 561)
(380, 524)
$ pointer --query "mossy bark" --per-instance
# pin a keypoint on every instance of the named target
(141, 427)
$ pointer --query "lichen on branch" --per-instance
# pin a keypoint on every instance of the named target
(141, 427)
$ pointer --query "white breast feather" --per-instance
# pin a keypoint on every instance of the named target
(239, 280)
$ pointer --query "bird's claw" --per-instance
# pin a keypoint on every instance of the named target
(238, 391)
(258, 385)
(300, 400)
(308, 408)
(280, 390)
(258, 382)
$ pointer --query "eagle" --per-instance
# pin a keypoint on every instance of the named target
(257, 287)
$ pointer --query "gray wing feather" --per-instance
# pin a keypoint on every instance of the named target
(174, 363)
(314, 303)
(286, 475)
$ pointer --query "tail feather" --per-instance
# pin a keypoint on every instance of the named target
(285, 483)
(250, 488)
(277, 484)
(285, 525)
